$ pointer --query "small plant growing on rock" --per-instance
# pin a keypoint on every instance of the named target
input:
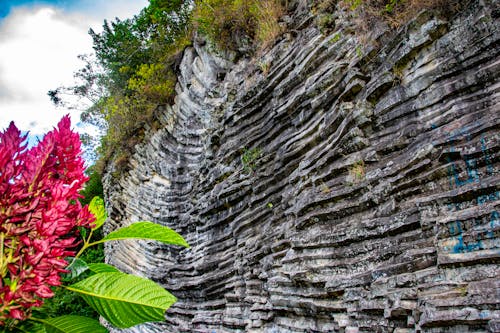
(249, 158)
(324, 188)
(357, 172)
(264, 67)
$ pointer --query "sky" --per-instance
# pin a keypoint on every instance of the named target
(39, 44)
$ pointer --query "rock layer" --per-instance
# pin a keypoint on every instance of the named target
(329, 185)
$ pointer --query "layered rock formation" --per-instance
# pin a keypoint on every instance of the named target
(328, 185)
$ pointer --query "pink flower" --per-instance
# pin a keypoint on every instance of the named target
(39, 213)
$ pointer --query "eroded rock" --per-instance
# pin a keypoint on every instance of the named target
(372, 206)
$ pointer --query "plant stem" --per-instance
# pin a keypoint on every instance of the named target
(86, 244)
(1, 250)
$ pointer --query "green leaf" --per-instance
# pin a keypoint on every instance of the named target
(147, 230)
(83, 232)
(76, 267)
(124, 300)
(72, 324)
(97, 208)
(29, 326)
(103, 268)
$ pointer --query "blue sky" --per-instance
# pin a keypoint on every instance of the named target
(39, 44)
(6, 5)
(67, 5)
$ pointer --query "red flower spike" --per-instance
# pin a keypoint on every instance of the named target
(17, 314)
(39, 213)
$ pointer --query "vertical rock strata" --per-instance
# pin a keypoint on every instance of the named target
(328, 186)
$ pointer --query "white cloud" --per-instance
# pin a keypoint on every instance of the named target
(38, 52)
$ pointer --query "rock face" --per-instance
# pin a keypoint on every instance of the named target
(328, 185)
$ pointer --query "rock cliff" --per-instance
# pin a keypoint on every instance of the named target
(328, 184)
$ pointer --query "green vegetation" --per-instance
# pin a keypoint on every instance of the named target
(133, 70)
(357, 172)
(249, 159)
(131, 73)
(326, 22)
(393, 12)
(138, 56)
(238, 24)
(93, 187)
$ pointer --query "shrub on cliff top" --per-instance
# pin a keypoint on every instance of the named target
(236, 24)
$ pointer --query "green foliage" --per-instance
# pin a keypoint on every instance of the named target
(65, 302)
(76, 267)
(102, 268)
(119, 45)
(124, 300)
(326, 22)
(94, 254)
(131, 73)
(249, 158)
(25, 327)
(267, 14)
(72, 324)
(236, 24)
(93, 187)
(154, 81)
(96, 207)
(357, 172)
(126, 116)
(227, 23)
(390, 6)
(353, 4)
(147, 230)
(397, 12)
(359, 51)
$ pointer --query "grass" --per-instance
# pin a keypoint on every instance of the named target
(239, 24)
(394, 12)
(267, 14)
(357, 172)
(397, 12)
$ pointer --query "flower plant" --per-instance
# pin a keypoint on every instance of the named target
(41, 225)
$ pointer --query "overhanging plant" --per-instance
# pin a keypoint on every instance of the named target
(41, 221)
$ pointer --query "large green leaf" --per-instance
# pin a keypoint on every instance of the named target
(72, 324)
(124, 300)
(102, 268)
(97, 208)
(147, 230)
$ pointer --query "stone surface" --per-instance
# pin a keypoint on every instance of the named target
(371, 203)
